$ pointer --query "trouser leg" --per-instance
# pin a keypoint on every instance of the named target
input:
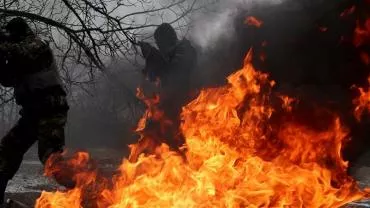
(14, 145)
(50, 135)
(51, 141)
(12, 148)
(173, 135)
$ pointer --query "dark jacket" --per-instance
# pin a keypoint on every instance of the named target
(173, 69)
(180, 63)
(30, 69)
(175, 88)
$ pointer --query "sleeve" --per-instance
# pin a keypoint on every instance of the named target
(146, 49)
(154, 63)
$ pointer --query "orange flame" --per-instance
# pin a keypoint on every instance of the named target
(362, 103)
(235, 157)
(77, 168)
(149, 139)
(287, 102)
(365, 58)
(362, 33)
(253, 21)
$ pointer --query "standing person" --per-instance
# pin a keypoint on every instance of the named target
(172, 64)
(31, 70)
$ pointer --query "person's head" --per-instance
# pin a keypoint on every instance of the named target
(18, 29)
(165, 37)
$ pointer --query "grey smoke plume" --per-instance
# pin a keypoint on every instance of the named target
(217, 22)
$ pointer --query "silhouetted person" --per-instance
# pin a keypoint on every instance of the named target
(172, 65)
(31, 70)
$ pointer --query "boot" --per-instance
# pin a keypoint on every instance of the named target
(61, 171)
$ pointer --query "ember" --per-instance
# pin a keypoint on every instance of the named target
(365, 58)
(348, 11)
(362, 33)
(253, 21)
(234, 158)
(323, 29)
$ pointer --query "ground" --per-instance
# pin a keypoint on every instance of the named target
(28, 182)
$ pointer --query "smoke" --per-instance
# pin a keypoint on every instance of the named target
(217, 22)
(222, 41)
(316, 66)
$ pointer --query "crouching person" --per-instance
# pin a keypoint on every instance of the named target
(31, 70)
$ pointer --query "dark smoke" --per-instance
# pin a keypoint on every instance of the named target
(309, 53)
(105, 115)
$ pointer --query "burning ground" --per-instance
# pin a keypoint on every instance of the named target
(246, 144)
(245, 147)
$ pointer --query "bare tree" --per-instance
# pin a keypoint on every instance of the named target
(86, 36)
(90, 32)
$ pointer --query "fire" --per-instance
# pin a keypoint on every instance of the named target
(149, 138)
(83, 174)
(236, 156)
(362, 103)
(253, 21)
(365, 58)
(362, 33)
(287, 102)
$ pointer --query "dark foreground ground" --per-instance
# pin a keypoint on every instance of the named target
(29, 182)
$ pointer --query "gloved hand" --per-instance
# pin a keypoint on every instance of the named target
(146, 48)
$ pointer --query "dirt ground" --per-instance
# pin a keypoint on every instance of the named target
(28, 183)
